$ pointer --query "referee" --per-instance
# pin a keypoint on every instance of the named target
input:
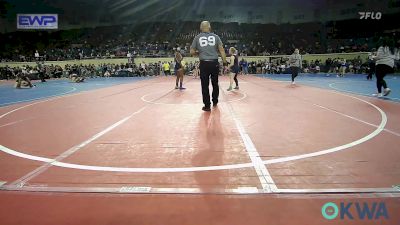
(208, 46)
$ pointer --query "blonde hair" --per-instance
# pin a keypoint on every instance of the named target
(232, 50)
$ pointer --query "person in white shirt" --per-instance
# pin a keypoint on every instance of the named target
(317, 69)
(385, 57)
(160, 65)
(342, 69)
(37, 55)
(107, 73)
(129, 55)
(282, 68)
(142, 69)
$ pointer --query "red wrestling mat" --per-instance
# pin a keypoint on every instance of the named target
(147, 138)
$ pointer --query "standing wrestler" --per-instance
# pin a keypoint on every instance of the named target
(233, 68)
(179, 70)
(208, 46)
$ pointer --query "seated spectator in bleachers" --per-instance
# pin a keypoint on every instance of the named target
(75, 78)
(343, 67)
(317, 69)
(107, 74)
(142, 69)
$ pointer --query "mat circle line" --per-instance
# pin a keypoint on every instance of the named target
(378, 130)
(143, 98)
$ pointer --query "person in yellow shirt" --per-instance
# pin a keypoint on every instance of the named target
(166, 67)
(184, 65)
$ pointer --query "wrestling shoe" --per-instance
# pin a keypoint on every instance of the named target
(379, 95)
(207, 109)
(386, 92)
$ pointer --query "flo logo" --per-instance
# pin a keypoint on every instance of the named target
(370, 15)
(351, 211)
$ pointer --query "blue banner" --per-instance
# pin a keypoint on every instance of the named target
(37, 21)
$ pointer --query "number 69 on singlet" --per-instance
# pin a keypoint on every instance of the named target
(204, 41)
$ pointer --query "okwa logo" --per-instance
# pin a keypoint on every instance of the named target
(351, 211)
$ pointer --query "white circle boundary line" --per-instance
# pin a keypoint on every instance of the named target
(143, 98)
(49, 98)
(61, 95)
(333, 86)
(53, 162)
(39, 98)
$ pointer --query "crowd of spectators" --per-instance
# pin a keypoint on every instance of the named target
(139, 69)
(278, 65)
(281, 66)
(161, 39)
